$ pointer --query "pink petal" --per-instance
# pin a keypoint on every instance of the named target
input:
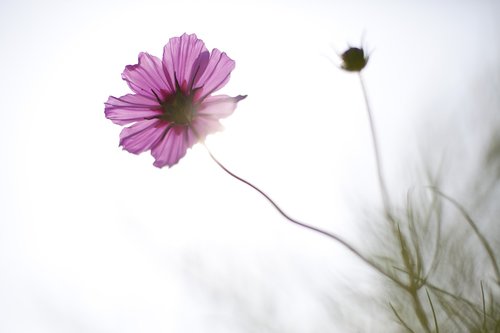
(203, 126)
(216, 73)
(172, 147)
(211, 110)
(184, 58)
(142, 135)
(220, 106)
(130, 108)
(147, 76)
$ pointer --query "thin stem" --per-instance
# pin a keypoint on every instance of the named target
(433, 312)
(401, 319)
(413, 282)
(304, 225)
(484, 306)
(378, 161)
(471, 305)
(476, 230)
(419, 309)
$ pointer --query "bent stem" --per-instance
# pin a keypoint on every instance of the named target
(378, 161)
(304, 225)
(472, 224)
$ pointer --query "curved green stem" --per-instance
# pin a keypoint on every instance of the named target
(304, 225)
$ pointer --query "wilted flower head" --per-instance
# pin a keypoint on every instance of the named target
(354, 59)
(172, 107)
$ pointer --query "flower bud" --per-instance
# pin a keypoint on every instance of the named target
(354, 59)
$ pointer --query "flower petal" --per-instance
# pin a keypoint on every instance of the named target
(130, 108)
(211, 110)
(142, 135)
(171, 147)
(216, 73)
(147, 78)
(203, 126)
(220, 106)
(183, 58)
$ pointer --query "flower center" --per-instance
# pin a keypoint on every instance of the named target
(178, 109)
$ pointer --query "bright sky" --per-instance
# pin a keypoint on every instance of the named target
(94, 239)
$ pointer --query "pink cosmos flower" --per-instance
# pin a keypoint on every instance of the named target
(172, 107)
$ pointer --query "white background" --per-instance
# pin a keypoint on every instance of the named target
(94, 239)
